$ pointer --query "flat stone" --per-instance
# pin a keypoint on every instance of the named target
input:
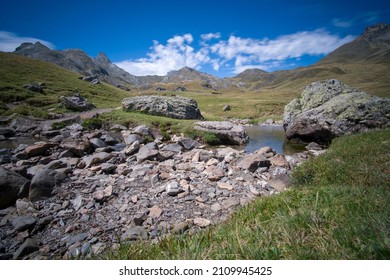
(134, 233)
(225, 186)
(214, 173)
(23, 223)
(230, 202)
(155, 211)
(202, 222)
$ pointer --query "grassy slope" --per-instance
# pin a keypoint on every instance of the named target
(339, 208)
(15, 71)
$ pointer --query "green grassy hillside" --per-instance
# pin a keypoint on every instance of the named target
(16, 71)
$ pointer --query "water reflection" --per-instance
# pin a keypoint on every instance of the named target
(272, 136)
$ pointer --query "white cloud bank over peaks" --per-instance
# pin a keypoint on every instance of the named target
(10, 41)
(177, 53)
(270, 54)
(235, 54)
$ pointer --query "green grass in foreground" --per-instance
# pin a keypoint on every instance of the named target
(339, 208)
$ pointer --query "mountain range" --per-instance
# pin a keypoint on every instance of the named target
(364, 63)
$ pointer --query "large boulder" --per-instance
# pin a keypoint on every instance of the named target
(227, 132)
(328, 109)
(77, 103)
(43, 183)
(10, 185)
(176, 107)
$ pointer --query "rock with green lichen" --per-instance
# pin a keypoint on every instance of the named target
(328, 109)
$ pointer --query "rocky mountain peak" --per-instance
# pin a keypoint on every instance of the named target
(102, 57)
(381, 30)
(27, 46)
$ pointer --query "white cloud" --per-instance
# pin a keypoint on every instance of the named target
(210, 36)
(342, 23)
(247, 51)
(175, 54)
(235, 54)
(368, 17)
(10, 41)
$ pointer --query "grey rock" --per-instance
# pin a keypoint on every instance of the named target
(331, 108)
(226, 108)
(108, 139)
(148, 152)
(226, 132)
(29, 246)
(176, 148)
(78, 147)
(280, 182)
(22, 223)
(230, 202)
(108, 168)
(313, 146)
(77, 103)
(70, 240)
(134, 233)
(39, 148)
(143, 130)
(173, 188)
(189, 144)
(252, 162)
(10, 185)
(202, 222)
(95, 158)
(35, 87)
(97, 143)
(133, 148)
(131, 138)
(7, 132)
(42, 184)
(174, 107)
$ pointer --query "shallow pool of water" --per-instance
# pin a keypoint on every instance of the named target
(272, 136)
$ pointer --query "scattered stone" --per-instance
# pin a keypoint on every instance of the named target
(173, 188)
(189, 144)
(175, 148)
(225, 186)
(280, 182)
(133, 148)
(29, 246)
(202, 222)
(10, 184)
(252, 162)
(134, 233)
(93, 159)
(22, 223)
(226, 108)
(97, 143)
(278, 160)
(214, 173)
(42, 184)
(313, 146)
(77, 103)
(230, 202)
(39, 148)
(148, 152)
(35, 87)
(155, 211)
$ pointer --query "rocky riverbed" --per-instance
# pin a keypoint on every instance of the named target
(83, 191)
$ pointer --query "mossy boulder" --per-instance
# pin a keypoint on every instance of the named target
(330, 108)
(176, 107)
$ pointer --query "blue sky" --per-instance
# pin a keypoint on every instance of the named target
(222, 38)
